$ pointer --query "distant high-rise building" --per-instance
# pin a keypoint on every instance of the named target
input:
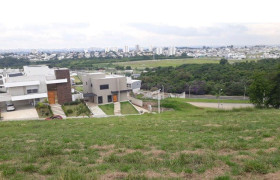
(126, 49)
(151, 49)
(137, 48)
(107, 49)
(159, 50)
(171, 51)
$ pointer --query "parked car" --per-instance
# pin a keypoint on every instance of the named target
(54, 117)
(10, 106)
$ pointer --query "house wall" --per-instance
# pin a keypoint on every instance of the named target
(64, 94)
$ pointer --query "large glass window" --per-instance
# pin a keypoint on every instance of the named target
(30, 91)
(104, 86)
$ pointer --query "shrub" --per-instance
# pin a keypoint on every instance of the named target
(69, 111)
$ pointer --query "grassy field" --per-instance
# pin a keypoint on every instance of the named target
(171, 62)
(107, 109)
(216, 100)
(127, 108)
(187, 143)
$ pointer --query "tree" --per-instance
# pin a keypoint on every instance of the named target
(259, 90)
(128, 67)
(223, 61)
(274, 93)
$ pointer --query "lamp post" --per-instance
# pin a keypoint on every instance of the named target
(159, 101)
(163, 91)
(189, 91)
(244, 92)
(219, 98)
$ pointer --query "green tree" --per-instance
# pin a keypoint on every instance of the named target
(259, 89)
(274, 93)
(223, 61)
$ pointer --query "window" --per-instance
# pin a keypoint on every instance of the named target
(109, 98)
(105, 86)
(90, 85)
(100, 99)
(30, 91)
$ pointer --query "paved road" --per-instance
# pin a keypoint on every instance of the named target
(222, 105)
(26, 112)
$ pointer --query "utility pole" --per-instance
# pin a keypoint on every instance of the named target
(159, 101)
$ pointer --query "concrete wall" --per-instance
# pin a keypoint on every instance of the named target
(77, 96)
(137, 102)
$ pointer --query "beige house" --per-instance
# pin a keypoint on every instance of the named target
(102, 89)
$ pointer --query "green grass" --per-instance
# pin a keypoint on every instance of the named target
(186, 143)
(171, 62)
(79, 88)
(127, 108)
(77, 80)
(216, 100)
(107, 109)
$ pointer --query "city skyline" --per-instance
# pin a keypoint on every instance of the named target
(68, 24)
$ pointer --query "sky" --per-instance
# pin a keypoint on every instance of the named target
(55, 24)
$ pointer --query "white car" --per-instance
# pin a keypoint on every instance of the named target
(10, 106)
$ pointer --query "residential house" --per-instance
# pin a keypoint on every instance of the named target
(100, 88)
(36, 83)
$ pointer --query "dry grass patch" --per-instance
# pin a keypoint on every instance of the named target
(114, 175)
(268, 139)
(212, 125)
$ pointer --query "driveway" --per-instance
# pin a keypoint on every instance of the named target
(222, 105)
(24, 112)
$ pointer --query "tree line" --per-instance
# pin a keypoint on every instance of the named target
(233, 79)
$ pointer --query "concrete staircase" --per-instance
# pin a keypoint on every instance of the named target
(96, 111)
(57, 110)
(117, 108)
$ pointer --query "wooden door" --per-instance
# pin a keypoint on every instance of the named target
(115, 97)
(51, 97)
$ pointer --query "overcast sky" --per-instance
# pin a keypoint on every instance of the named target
(109, 23)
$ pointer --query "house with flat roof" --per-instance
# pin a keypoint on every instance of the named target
(100, 88)
(133, 84)
(34, 84)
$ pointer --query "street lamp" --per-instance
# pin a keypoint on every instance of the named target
(219, 98)
(163, 91)
(189, 91)
(159, 101)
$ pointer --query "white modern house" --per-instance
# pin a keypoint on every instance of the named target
(133, 84)
(34, 84)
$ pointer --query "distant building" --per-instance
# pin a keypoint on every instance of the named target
(171, 51)
(126, 49)
(137, 48)
(159, 50)
(134, 85)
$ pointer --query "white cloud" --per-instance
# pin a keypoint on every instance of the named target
(86, 23)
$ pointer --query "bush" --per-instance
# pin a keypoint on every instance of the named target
(69, 111)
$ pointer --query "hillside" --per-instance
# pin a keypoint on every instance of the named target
(187, 142)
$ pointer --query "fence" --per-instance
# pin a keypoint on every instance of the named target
(77, 96)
